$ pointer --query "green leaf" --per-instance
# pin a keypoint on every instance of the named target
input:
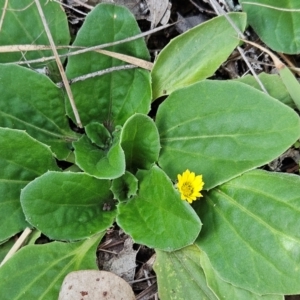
(225, 290)
(252, 223)
(20, 29)
(22, 159)
(5, 247)
(222, 129)
(98, 134)
(112, 98)
(291, 83)
(157, 217)
(42, 268)
(277, 23)
(34, 104)
(140, 142)
(196, 54)
(32, 238)
(68, 206)
(103, 164)
(124, 187)
(180, 276)
(273, 84)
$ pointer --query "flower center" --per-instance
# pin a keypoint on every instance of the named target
(187, 189)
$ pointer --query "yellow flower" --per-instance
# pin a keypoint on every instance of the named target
(189, 186)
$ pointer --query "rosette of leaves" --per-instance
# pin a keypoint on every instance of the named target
(240, 240)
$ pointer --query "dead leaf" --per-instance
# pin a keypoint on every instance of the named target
(186, 23)
(166, 17)
(157, 8)
(123, 264)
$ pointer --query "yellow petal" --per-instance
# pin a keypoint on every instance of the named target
(192, 176)
(185, 175)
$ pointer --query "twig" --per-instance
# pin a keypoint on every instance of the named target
(123, 57)
(147, 278)
(3, 13)
(111, 252)
(141, 280)
(16, 245)
(98, 73)
(127, 58)
(152, 290)
(140, 35)
(277, 62)
(59, 64)
(71, 7)
(21, 9)
(109, 244)
(22, 48)
(84, 5)
(219, 10)
(202, 9)
(94, 48)
(289, 63)
(252, 71)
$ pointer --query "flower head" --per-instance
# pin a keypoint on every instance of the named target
(189, 186)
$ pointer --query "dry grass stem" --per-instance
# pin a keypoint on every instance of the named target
(98, 73)
(22, 48)
(133, 60)
(219, 10)
(251, 70)
(277, 62)
(135, 37)
(127, 58)
(142, 279)
(289, 63)
(84, 4)
(16, 246)
(18, 48)
(130, 59)
(3, 13)
(71, 7)
(59, 64)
